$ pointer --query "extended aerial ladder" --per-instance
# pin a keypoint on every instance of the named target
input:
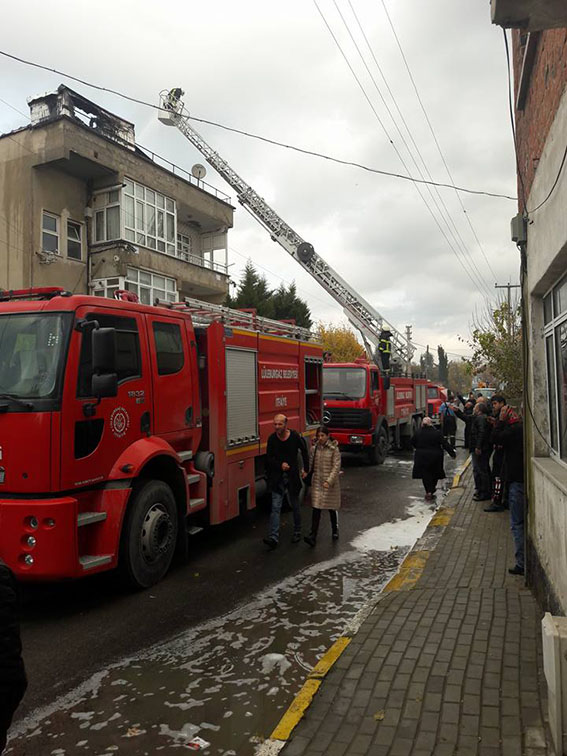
(374, 329)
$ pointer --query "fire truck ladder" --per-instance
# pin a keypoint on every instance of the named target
(204, 313)
(360, 313)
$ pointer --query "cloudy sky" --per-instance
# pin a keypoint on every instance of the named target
(274, 69)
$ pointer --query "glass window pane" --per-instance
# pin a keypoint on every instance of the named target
(151, 242)
(151, 220)
(130, 235)
(129, 212)
(145, 278)
(113, 223)
(171, 297)
(551, 392)
(113, 196)
(561, 364)
(140, 238)
(169, 347)
(145, 295)
(158, 293)
(159, 282)
(111, 291)
(140, 215)
(132, 273)
(74, 250)
(49, 222)
(139, 191)
(560, 298)
(170, 228)
(73, 231)
(169, 206)
(160, 200)
(99, 293)
(150, 196)
(160, 224)
(112, 281)
(170, 284)
(161, 246)
(49, 243)
(131, 287)
(129, 188)
(170, 249)
(547, 313)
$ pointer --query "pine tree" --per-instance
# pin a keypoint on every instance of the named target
(443, 366)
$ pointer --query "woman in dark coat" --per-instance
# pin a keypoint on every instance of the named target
(428, 460)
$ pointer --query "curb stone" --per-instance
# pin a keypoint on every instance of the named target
(408, 574)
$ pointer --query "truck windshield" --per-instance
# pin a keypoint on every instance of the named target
(32, 346)
(344, 383)
(432, 393)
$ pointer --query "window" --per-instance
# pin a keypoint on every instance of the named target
(169, 348)
(555, 331)
(107, 219)
(184, 246)
(374, 383)
(74, 244)
(129, 363)
(50, 233)
(344, 383)
(150, 286)
(149, 218)
(105, 287)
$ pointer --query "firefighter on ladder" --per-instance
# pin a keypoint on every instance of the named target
(385, 349)
(173, 97)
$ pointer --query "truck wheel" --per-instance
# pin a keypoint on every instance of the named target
(377, 454)
(149, 535)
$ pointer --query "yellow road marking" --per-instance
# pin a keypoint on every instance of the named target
(442, 517)
(296, 710)
(329, 658)
(409, 573)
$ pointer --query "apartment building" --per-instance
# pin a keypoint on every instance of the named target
(84, 207)
(540, 99)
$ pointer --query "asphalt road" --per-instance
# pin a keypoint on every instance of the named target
(71, 631)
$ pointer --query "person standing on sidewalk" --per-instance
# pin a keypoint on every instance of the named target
(13, 682)
(429, 444)
(325, 488)
(510, 435)
(498, 402)
(448, 421)
(284, 449)
(481, 447)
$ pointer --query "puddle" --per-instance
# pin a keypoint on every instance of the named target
(223, 685)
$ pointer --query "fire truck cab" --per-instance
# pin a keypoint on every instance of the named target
(124, 426)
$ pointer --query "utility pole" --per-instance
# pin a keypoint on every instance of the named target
(408, 361)
(508, 286)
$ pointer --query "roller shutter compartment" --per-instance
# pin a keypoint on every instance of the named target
(241, 396)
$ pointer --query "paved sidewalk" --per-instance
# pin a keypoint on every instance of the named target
(449, 660)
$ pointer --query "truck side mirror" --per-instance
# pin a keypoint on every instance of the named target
(104, 350)
(104, 385)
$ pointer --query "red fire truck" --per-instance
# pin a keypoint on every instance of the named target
(436, 395)
(125, 426)
(367, 417)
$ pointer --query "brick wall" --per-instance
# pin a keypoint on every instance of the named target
(547, 81)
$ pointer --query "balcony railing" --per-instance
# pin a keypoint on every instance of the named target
(203, 262)
(182, 173)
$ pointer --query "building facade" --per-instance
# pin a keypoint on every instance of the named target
(82, 206)
(540, 72)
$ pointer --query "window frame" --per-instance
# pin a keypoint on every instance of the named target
(551, 330)
(49, 232)
(170, 324)
(68, 239)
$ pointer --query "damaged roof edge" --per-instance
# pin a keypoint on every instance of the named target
(80, 101)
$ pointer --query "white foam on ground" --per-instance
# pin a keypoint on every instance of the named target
(396, 533)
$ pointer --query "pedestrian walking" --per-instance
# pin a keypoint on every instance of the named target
(448, 421)
(480, 448)
(510, 435)
(429, 444)
(13, 681)
(324, 469)
(284, 450)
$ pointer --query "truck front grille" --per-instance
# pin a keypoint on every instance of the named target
(344, 417)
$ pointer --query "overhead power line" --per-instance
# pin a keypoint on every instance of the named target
(258, 137)
(476, 283)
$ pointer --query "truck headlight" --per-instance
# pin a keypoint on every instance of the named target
(356, 440)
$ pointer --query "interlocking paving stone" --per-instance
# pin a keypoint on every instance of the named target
(454, 663)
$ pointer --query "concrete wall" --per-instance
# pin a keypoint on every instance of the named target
(55, 167)
(546, 262)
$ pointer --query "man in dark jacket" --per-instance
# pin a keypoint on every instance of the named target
(13, 681)
(511, 437)
(284, 476)
(481, 447)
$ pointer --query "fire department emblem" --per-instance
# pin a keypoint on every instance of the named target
(326, 417)
(119, 422)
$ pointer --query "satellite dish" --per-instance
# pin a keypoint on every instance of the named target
(199, 171)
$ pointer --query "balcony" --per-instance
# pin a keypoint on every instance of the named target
(529, 15)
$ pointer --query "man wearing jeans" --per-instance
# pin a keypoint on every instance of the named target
(511, 438)
(284, 476)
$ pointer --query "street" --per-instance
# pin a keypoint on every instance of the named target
(220, 647)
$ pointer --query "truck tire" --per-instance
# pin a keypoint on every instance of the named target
(377, 454)
(149, 534)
